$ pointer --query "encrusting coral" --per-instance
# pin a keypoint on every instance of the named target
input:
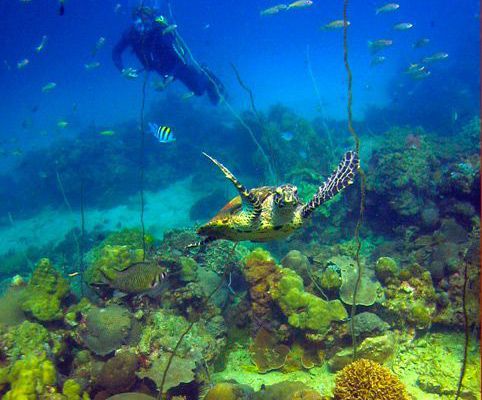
(367, 380)
(44, 292)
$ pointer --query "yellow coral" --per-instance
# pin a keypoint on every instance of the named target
(368, 380)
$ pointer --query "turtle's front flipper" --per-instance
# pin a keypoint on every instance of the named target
(250, 200)
(339, 179)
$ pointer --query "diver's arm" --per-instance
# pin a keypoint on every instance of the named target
(119, 48)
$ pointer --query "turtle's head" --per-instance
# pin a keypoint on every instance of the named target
(286, 196)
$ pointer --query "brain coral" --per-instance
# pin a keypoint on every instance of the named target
(106, 329)
(368, 380)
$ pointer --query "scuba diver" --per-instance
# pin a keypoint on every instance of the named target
(158, 48)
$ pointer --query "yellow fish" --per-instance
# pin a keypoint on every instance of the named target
(42, 44)
(107, 133)
(274, 10)
(22, 64)
(62, 124)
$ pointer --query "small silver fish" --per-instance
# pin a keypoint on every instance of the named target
(274, 10)
(22, 64)
(440, 56)
(337, 24)
(379, 44)
(169, 29)
(387, 8)
(92, 65)
(403, 26)
(48, 87)
(42, 44)
(98, 45)
(300, 4)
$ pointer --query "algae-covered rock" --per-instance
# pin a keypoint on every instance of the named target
(386, 268)
(45, 291)
(299, 263)
(378, 349)
(369, 324)
(303, 309)
(118, 374)
(229, 391)
(287, 391)
(26, 338)
(131, 396)
(163, 330)
(106, 329)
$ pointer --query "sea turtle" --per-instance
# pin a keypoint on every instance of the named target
(272, 212)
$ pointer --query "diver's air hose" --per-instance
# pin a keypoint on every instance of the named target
(360, 172)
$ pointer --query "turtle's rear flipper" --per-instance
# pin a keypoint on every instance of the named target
(343, 176)
(250, 200)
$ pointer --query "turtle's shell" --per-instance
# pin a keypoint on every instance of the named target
(233, 222)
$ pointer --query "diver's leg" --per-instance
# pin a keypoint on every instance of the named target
(197, 81)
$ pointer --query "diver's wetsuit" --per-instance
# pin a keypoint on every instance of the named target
(161, 53)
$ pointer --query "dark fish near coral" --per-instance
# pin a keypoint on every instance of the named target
(139, 278)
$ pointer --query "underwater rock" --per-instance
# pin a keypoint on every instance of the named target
(287, 391)
(11, 312)
(378, 349)
(386, 269)
(163, 330)
(229, 391)
(299, 263)
(369, 291)
(365, 379)
(106, 329)
(369, 324)
(118, 374)
(131, 396)
(412, 300)
(45, 292)
(430, 216)
(266, 353)
(180, 371)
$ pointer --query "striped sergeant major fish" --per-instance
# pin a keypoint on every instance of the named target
(162, 133)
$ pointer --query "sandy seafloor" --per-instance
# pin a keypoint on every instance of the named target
(164, 210)
(433, 359)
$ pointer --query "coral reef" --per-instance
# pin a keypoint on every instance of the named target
(44, 292)
(365, 379)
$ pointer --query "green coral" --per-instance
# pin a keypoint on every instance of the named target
(303, 309)
(131, 237)
(31, 378)
(73, 391)
(26, 338)
(45, 291)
